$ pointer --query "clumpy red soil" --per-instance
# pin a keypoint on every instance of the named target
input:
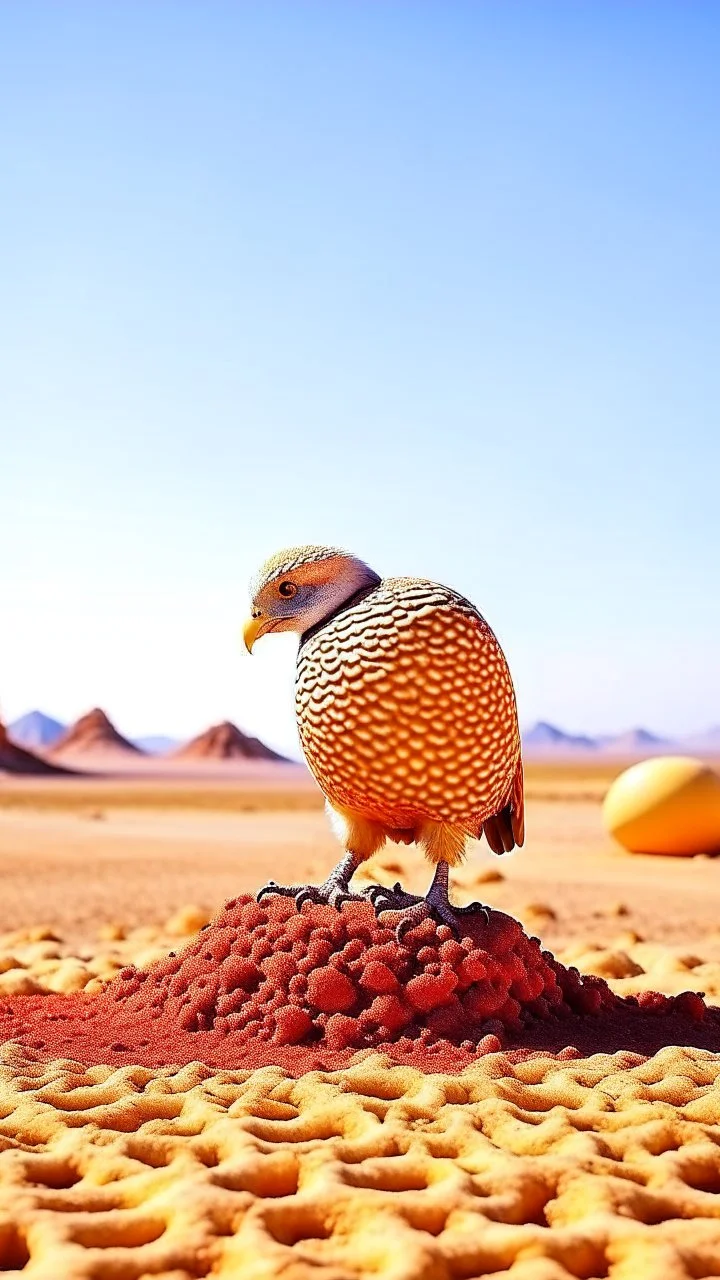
(265, 983)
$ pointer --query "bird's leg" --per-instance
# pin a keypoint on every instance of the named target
(334, 891)
(436, 903)
(439, 900)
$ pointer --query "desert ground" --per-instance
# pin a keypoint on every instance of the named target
(79, 853)
(536, 1170)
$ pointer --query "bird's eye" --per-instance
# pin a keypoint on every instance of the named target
(287, 589)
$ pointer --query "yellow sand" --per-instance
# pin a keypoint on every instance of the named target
(541, 1172)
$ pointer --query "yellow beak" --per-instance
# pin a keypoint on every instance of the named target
(252, 629)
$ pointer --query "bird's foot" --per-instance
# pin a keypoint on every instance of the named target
(395, 899)
(404, 911)
(333, 892)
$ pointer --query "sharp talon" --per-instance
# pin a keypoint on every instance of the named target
(447, 917)
(335, 891)
(404, 917)
(300, 892)
(395, 903)
(473, 909)
(272, 887)
(376, 892)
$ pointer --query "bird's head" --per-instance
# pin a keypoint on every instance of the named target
(299, 587)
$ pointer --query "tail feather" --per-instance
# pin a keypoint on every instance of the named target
(506, 829)
(498, 831)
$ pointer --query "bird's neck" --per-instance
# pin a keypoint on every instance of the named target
(372, 580)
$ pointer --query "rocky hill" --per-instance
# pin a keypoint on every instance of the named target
(225, 741)
(15, 759)
(93, 734)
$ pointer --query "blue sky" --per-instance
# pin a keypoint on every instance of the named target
(437, 282)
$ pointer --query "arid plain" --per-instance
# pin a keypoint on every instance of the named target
(539, 1170)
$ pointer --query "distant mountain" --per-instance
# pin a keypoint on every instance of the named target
(14, 759)
(92, 733)
(35, 730)
(547, 737)
(544, 738)
(633, 742)
(225, 742)
(156, 744)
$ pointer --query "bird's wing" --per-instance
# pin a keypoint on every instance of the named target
(506, 829)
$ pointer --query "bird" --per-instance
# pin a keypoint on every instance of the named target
(407, 718)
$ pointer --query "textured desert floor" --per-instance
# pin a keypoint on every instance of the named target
(607, 1166)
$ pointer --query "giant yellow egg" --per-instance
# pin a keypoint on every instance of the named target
(670, 804)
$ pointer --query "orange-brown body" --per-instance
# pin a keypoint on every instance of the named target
(408, 721)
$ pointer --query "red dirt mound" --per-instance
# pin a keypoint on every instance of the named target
(265, 983)
(93, 732)
(225, 742)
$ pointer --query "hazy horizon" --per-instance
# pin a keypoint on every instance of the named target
(435, 283)
(294, 751)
